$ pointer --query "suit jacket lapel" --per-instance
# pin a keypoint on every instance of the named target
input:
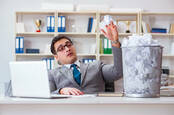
(69, 74)
(83, 69)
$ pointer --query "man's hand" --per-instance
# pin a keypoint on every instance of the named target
(112, 33)
(70, 91)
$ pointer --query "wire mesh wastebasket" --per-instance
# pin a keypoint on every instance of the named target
(142, 71)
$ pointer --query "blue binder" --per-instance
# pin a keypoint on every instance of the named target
(59, 24)
(63, 24)
(52, 23)
(45, 59)
(90, 22)
(48, 23)
(17, 45)
(21, 44)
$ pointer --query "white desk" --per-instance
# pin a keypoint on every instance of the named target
(88, 106)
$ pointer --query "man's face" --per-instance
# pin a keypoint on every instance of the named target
(66, 53)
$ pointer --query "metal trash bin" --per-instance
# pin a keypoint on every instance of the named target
(142, 71)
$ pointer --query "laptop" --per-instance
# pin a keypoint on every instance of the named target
(30, 79)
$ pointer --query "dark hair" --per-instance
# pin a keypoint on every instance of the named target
(55, 39)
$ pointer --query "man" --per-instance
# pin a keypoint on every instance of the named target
(77, 78)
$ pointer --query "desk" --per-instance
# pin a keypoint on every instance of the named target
(87, 106)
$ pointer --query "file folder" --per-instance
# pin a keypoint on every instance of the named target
(21, 46)
(52, 24)
(109, 47)
(59, 24)
(105, 46)
(48, 23)
(90, 21)
(63, 24)
(52, 63)
(17, 45)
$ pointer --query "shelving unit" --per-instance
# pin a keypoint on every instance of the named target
(76, 28)
(79, 35)
(161, 20)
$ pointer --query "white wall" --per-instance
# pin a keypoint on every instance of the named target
(7, 8)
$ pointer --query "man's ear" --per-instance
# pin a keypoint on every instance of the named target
(56, 57)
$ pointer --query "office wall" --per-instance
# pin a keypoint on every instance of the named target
(7, 8)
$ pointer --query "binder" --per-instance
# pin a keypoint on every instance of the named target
(90, 60)
(93, 60)
(105, 46)
(109, 47)
(63, 24)
(45, 59)
(85, 60)
(59, 24)
(48, 63)
(21, 46)
(91, 24)
(101, 46)
(52, 24)
(48, 23)
(90, 21)
(52, 63)
(17, 45)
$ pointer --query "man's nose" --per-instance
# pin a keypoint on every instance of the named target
(67, 48)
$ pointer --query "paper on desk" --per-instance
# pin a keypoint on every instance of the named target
(85, 95)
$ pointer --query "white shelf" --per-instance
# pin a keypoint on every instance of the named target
(168, 55)
(106, 55)
(122, 34)
(33, 54)
(77, 12)
(165, 55)
(56, 33)
(36, 12)
(42, 54)
(160, 34)
(86, 54)
(76, 33)
(171, 76)
(157, 13)
(36, 33)
(119, 13)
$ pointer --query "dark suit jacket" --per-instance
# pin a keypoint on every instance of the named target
(93, 75)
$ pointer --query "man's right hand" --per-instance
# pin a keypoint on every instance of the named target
(70, 91)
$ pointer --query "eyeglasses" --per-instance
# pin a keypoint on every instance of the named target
(62, 47)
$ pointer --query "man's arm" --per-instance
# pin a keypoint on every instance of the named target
(64, 90)
(53, 88)
(113, 72)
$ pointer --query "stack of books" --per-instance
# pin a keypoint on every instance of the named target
(159, 30)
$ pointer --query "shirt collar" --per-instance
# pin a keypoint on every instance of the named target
(76, 62)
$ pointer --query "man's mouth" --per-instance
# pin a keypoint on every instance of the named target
(70, 54)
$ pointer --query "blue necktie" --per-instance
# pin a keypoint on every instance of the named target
(76, 73)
